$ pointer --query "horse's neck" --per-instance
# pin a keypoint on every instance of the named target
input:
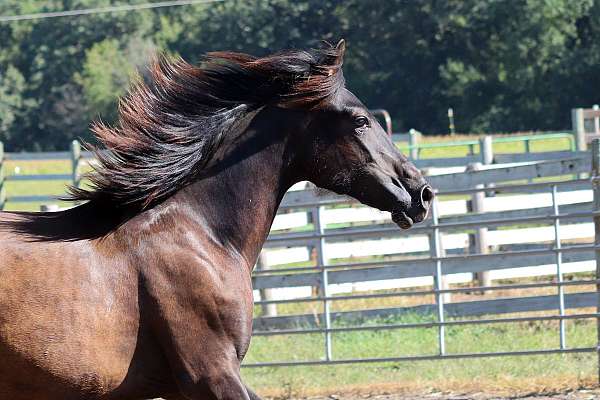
(236, 203)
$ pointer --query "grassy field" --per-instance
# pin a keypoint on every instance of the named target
(34, 187)
(512, 375)
(504, 375)
(559, 144)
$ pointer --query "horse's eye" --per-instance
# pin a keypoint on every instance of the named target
(360, 121)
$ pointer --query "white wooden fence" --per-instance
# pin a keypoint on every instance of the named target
(381, 239)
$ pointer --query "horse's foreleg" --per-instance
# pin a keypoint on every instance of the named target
(213, 374)
(205, 365)
(252, 395)
(226, 385)
(205, 332)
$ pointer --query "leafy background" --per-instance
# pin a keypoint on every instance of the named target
(502, 65)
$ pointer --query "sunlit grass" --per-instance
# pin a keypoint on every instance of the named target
(54, 188)
(555, 144)
(513, 374)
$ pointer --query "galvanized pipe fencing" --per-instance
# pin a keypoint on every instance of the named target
(596, 187)
(415, 148)
(75, 156)
(438, 265)
(441, 322)
(387, 119)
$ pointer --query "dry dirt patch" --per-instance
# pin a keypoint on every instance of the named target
(584, 394)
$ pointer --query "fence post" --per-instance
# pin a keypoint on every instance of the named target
(559, 275)
(527, 146)
(578, 125)
(2, 188)
(314, 259)
(471, 149)
(269, 309)
(437, 251)
(321, 263)
(596, 120)
(486, 149)
(75, 159)
(480, 236)
(596, 190)
(413, 142)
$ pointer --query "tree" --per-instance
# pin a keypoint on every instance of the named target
(11, 99)
(108, 71)
(49, 53)
(502, 65)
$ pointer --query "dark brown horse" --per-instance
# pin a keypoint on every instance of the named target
(144, 290)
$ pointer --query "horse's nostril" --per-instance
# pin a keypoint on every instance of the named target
(426, 195)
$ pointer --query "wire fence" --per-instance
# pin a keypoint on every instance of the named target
(566, 306)
(438, 291)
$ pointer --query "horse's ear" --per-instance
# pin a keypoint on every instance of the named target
(341, 49)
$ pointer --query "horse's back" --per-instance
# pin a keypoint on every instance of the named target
(68, 318)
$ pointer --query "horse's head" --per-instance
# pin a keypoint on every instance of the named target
(351, 154)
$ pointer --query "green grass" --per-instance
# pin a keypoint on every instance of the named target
(500, 373)
(557, 144)
(420, 341)
(29, 188)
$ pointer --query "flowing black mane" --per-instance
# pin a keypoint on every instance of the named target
(170, 127)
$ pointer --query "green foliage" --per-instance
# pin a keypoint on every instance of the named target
(502, 65)
(108, 71)
(11, 100)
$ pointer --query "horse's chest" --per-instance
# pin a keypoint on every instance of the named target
(201, 301)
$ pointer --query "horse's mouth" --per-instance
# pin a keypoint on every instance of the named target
(401, 219)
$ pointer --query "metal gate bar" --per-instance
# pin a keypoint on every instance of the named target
(422, 358)
(426, 324)
(320, 235)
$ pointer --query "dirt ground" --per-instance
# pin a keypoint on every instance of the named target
(571, 395)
